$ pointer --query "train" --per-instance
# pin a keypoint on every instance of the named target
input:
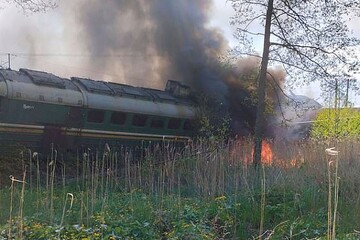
(40, 109)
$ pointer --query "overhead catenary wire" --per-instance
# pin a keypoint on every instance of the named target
(44, 56)
(117, 55)
(313, 121)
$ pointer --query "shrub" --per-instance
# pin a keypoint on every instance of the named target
(337, 123)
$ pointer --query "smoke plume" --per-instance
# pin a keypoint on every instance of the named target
(145, 43)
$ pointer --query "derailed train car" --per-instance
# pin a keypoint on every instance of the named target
(38, 109)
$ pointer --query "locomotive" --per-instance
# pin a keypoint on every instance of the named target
(39, 109)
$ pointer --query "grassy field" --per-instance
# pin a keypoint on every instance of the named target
(206, 191)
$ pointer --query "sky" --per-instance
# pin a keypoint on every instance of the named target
(52, 33)
(49, 42)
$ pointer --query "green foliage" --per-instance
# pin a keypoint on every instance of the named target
(337, 123)
(207, 193)
(212, 120)
(131, 216)
(296, 225)
(137, 215)
(210, 130)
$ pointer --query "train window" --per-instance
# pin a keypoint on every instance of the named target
(157, 123)
(139, 120)
(188, 125)
(118, 118)
(174, 123)
(95, 116)
(74, 114)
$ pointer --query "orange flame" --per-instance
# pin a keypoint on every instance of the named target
(266, 153)
(239, 150)
(242, 153)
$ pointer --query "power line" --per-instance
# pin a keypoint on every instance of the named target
(83, 55)
(85, 69)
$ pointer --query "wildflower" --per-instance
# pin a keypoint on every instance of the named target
(220, 198)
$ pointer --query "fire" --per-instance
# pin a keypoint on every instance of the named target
(266, 153)
(242, 153)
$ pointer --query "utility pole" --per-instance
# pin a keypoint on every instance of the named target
(347, 92)
(9, 61)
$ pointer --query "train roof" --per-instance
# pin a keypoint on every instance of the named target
(128, 91)
(35, 85)
(38, 78)
(31, 85)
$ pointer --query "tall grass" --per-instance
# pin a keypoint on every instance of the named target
(298, 181)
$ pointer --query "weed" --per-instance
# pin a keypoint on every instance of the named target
(203, 191)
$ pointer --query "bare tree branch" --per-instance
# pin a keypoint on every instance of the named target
(34, 5)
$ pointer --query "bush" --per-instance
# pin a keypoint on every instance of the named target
(337, 123)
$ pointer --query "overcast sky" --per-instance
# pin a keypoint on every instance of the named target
(20, 36)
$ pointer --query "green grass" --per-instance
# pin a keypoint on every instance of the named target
(205, 191)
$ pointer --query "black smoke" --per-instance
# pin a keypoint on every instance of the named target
(146, 42)
(153, 40)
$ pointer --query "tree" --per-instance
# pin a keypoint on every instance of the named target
(337, 91)
(34, 5)
(309, 38)
(336, 123)
(212, 121)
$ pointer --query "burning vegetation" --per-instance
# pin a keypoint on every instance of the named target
(242, 151)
